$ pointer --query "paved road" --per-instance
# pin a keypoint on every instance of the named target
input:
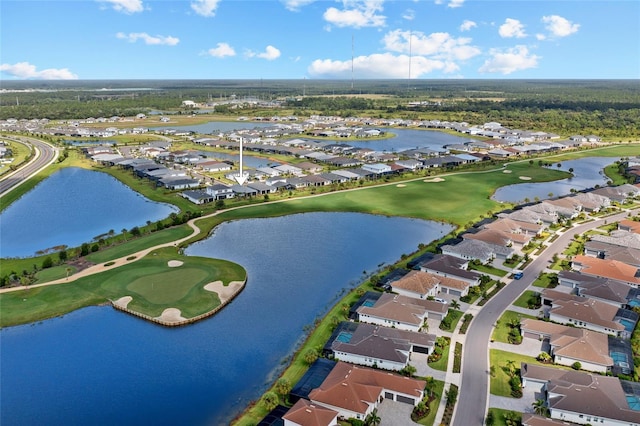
(474, 388)
(45, 154)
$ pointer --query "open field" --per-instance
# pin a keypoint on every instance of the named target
(153, 285)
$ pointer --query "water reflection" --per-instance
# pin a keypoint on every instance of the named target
(587, 173)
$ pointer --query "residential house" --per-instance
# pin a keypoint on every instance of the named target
(569, 345)
(612, 269)
(450, 267)
(608, 251)
(305, 413)
(376, 346)
(354, 392)
(394, 310)
(588, 313)
(617, 293)
(197, 197)
(471, 249)
(417, 284)
(220, 192)
(585, 398)
(628, 225)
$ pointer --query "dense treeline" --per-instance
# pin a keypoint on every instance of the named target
(609, 108)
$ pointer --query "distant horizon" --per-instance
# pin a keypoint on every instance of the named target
(319, 40)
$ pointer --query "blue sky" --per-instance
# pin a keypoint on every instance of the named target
(295, 39)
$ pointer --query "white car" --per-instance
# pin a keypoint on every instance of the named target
(438, 299)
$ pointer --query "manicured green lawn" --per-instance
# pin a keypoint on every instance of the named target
(442, 363)
(523, 300)
(54, 273)
(546, 281)
(145, 241)
(501, 332)
(460, 199)
(153, 285)
(453, 316)
(500, 383)
(489, 270)
(499, 416)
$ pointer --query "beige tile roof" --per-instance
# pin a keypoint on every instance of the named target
(418, 282)
(396, 307)
(582, 345)
(583, 309)
(355, 388)
(514, 226)
(607, 268)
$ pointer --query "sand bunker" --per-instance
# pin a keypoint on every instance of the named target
(171, 315)
(438, 179)
(224, 293)
(123, 302)
(175, 263)
(401, 185)
(506, 171)
(525, 178)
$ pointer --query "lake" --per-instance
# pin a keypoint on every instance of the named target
(587, 173)
(71, 207)
(402, 140)
(99, 366)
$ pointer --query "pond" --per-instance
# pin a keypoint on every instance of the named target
(99, 366)
(587, 173)
(71, 207)
(402, 140)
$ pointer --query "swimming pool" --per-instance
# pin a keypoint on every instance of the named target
(344, 337)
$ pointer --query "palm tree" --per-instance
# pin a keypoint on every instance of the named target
(455, 304)
(511, 366)
(373, 419)
(540, 407)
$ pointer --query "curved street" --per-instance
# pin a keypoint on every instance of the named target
(45, 154)
(473, 396)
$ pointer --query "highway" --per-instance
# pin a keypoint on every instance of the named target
(45, 154)
(473, 394)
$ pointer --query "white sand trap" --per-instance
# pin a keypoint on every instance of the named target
(438, 179)
(506, 171)
(525, 178)
(171, 315)
(175, 263)
(224, 293)
(401, 185)
(123, 302)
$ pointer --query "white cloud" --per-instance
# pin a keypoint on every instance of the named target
(455, 3)
(379, 65)
(221, 50)
(24, 70)
(510, 60)
(439, 45)
(296, 5)
(559, 26)
(357, 14)
(541, 37)
(270, 53)
(409, 15)
(467, 25)
(126, 6)
(206, 8)
(148, 39)
(512, 28)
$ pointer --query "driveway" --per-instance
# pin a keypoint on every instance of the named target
(393, 413)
